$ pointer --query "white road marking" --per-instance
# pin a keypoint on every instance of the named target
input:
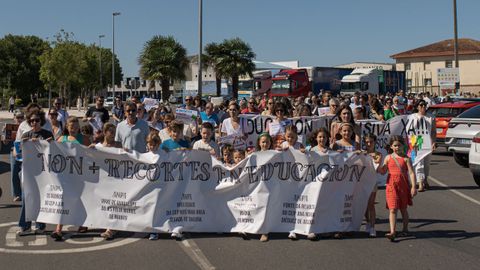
(466, 197)
(196, 254)
(40, 240)
(11, 238)
(69, 240)
(134, 238)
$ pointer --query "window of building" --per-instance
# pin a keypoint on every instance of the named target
(408, 66)
(428, 82)
(448, 64)
(409, 84)
(426, 64)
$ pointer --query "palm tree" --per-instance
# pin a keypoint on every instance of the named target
(163, 59)
(212, 57)
(236, 60)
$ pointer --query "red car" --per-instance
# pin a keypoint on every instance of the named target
(444, 112)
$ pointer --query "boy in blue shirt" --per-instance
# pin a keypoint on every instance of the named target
(176, 142)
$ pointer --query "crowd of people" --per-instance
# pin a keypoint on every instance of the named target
(132, 125)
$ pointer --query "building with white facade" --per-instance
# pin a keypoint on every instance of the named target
(422, 64)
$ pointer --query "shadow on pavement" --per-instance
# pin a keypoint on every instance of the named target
(5, 206)
(458, 235)
(4, 167)
(418, 222)
(443, 153)
(433, 188)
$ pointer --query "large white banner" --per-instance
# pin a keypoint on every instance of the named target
(269, 191)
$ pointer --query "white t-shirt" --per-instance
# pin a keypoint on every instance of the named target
(296, 146)
(227, 128)
(201, 145)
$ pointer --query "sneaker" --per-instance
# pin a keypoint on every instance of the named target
(24, 231)
(292, 236)
(372, 233)
(108, 234)
(153, 236)
(39, 231)
(177, 235)
(312, 236)
(367, 227)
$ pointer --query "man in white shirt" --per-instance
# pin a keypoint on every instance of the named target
(62, 114)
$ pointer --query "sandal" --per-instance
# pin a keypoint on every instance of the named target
(264, 238)
(82, 229)
(58, 236)
(404, 234)
(108, 234)
(338, 235)
(390, 236)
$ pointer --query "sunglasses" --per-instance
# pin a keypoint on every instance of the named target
(422, 105)
(187, 99)
(131, 111)
(333, 105)
(58, 103)
(34, 120)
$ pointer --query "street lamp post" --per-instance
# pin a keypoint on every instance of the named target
(113, 52)
(100, 59)
(200, 49)
(455, 43)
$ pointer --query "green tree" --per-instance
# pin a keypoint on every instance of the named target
(235, 59)
(72, 68)
(163, 59)
(20, 64)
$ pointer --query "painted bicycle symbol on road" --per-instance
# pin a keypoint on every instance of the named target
(41, 243)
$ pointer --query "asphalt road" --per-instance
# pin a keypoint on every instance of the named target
(445, 226)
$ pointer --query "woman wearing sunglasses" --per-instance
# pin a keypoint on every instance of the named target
(35, 119)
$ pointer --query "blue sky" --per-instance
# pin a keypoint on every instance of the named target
(315, 32)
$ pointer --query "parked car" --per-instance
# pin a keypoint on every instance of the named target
(460, 133)
(109, 102)
(474, 158)
(444, 112)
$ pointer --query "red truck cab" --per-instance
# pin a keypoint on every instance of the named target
(290, 83)
(444, 112)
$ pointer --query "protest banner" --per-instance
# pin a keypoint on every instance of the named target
(188, 117)
(270, 191)
(416, 132)
(150, 103)
(254, 125)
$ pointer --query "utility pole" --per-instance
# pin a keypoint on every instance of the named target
(200, 49)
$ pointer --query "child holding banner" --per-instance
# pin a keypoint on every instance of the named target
(291, 137)
(344, 115)
(264, 143)
(346, 143)
(319, 140)
(175, 129)
(398, 193)
(153, 143)
(206, 143)
(370, 214)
